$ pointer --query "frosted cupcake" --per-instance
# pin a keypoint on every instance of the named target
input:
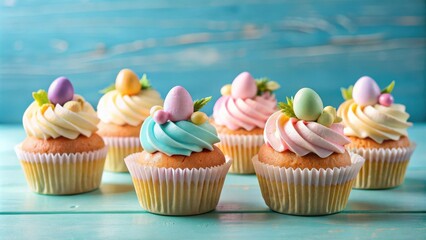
(122, 110)
(377, 128)
(62, 154)
(180, 171)
(240, 116)
(304, 169)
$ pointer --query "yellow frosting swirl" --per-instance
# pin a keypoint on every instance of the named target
(59, 121)
(127, 109)
(376, 122)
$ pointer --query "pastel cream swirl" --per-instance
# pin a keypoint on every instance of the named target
(377, 122)
(127, 109)
(60, 122)
(236, 113)
(302, 137)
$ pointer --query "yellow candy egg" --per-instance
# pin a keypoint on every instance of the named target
(330, 110)
(199, 118)
(272, 85)
(73, 106)
(154, 109)
(127, 82)
(226, 90)
(325, 119)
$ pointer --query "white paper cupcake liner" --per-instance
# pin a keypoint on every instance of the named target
(306, 192)
(241, 148)
(62, 174)
(118, 149)
(383, 168)
(168, 191)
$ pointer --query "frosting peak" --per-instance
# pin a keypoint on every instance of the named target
(56, 121)
(302, 137)
(377, 122)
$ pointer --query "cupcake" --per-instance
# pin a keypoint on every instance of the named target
(122, 110)
(240, 116)
(62, 154)
(180, 171)
(377, 128)
(303, 168)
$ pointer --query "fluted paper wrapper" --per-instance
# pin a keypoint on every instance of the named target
(383, 168)
(306, 192)
(118, 149)
(168, 191)
(62, 174)
(241, 149)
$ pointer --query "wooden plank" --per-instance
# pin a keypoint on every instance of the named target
(323, 46)
(213, 226)
(240, 194)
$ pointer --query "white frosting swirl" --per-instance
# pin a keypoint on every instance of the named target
(127, 109)
(377, 122)
(57, 122)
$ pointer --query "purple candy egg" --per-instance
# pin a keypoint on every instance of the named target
(386, 99)
(60, 91)
(179, 104)
(366, 91)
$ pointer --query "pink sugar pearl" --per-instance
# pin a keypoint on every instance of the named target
(386, 99)
(161, 116)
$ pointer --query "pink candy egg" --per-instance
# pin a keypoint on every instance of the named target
(386, 99)
(366, 91)
(244, 86)
(178, 104)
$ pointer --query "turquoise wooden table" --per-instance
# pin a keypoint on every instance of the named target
(113, 210)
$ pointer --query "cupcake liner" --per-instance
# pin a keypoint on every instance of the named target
(241, 148)
(306, 192)
(118, 149)
(169, 191)
(62, 174)
(383, 168)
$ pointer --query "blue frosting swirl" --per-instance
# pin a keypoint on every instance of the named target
(177, 138)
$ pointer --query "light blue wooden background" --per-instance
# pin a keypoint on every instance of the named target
(204, 44)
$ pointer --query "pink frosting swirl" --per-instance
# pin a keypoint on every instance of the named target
(235, 113)
(302, 137)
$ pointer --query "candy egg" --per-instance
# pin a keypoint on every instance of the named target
(244, 86)
(179, 104)
(307, 105)
(127, 82)
(326, 119)
(73, 106)
(199, 118)
(60, 91)
(272, 85)
(161, 116)
(386, 99)
(366, 91)
(226, 90)
(330, 110)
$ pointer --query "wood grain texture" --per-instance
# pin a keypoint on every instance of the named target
(205, 44)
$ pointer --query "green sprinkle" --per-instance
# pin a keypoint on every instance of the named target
(287, 108)
(200, 103)
(145, 82)
(41, 97)
(389, 88)
(347, 92)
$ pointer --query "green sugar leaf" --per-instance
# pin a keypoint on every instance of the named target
(261, 85)
(108, 89)
(200, 103)
(389, 88)
(347, 92)
(41, 97)
(287, 108)
(145, 82)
